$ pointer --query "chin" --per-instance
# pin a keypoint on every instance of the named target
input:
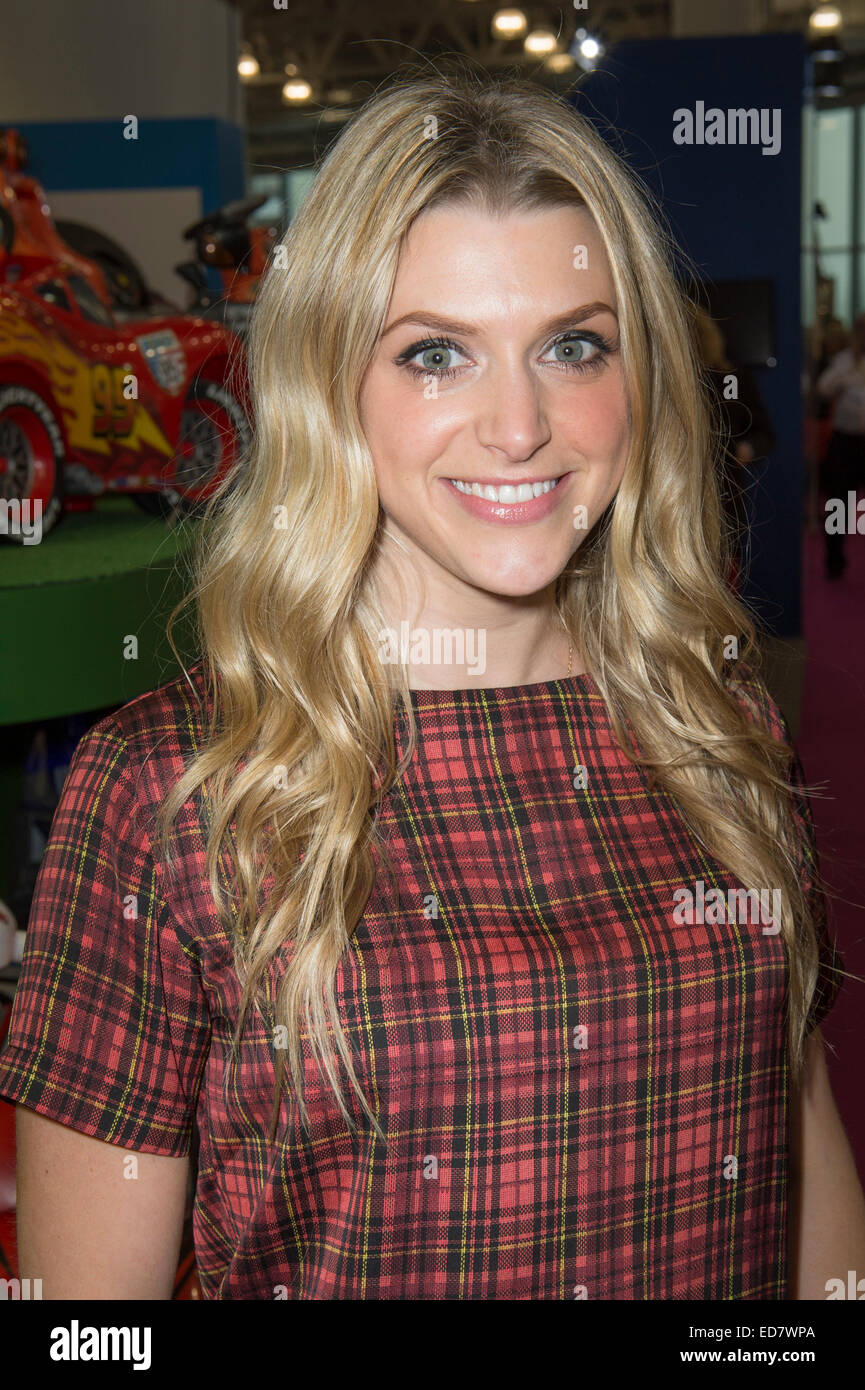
(521, 582)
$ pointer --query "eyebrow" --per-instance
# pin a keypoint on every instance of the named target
(469, 330)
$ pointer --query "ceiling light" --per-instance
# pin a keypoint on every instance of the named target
(825, 17)
(296, 90)
(247, 63)
(509, 24)
(540, 41)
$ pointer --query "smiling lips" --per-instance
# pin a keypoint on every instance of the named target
(508, 492)
(510, 503)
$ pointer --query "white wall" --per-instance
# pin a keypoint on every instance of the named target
(146, 221)
(101, 59)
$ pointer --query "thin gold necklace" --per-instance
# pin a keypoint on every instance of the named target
(570, 657)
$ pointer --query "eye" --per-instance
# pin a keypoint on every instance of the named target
(575, 351)
(579, 351)
(436, 357)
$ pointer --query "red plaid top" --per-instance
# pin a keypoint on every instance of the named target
(581, 1097)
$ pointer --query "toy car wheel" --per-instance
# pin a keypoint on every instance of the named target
(31, 460)
(126, 283)
(214, 433)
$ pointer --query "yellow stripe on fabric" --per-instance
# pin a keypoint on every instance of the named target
(217, 1232)
(463, 1003)
(373, 1137)
(741, 998)
(143, 1013)
(146, 1002)
(253, 1136)
(289, 1207)
(562, 988)
(709, 875)
(58, 974)
(528, 1243)
(495, 1127)
(650, 997)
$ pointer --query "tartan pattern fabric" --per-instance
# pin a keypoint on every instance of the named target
(581, 1098)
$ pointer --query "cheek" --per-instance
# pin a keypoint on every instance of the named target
(597, 433)
(430, 417)
(597, 424)
(408, 433)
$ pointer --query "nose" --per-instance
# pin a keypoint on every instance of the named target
(510, 414)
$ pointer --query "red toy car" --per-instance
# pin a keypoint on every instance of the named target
(89, 405)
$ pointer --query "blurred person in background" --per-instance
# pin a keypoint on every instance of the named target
(822, 342)
(747, 432)
(830, 340)
(842, 383)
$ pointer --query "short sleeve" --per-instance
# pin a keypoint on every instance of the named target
(758, 703)
(110, 1029)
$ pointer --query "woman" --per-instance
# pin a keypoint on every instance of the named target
(386, 901)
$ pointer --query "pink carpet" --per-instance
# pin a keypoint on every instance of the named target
(831, 745)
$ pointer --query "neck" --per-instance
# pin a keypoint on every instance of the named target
(453, 637)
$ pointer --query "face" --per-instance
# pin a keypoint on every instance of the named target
(495, 406)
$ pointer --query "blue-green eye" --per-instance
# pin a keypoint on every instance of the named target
(436, 357)
(575, 349)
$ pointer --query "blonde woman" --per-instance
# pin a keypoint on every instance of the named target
(460, 904)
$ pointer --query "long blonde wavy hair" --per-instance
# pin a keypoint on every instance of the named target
(301, 748)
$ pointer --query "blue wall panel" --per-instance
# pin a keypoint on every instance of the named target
(736, 212)
(197, 152)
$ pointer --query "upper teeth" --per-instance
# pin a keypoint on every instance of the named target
(524, 492)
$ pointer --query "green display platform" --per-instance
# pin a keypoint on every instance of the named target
(69, 606)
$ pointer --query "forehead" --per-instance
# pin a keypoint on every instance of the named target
(465, 250)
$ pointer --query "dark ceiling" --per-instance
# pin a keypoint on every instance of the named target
(345, 49)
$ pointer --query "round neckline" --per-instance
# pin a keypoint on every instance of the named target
(581, 679)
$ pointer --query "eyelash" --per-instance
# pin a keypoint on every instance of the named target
(593, 365)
